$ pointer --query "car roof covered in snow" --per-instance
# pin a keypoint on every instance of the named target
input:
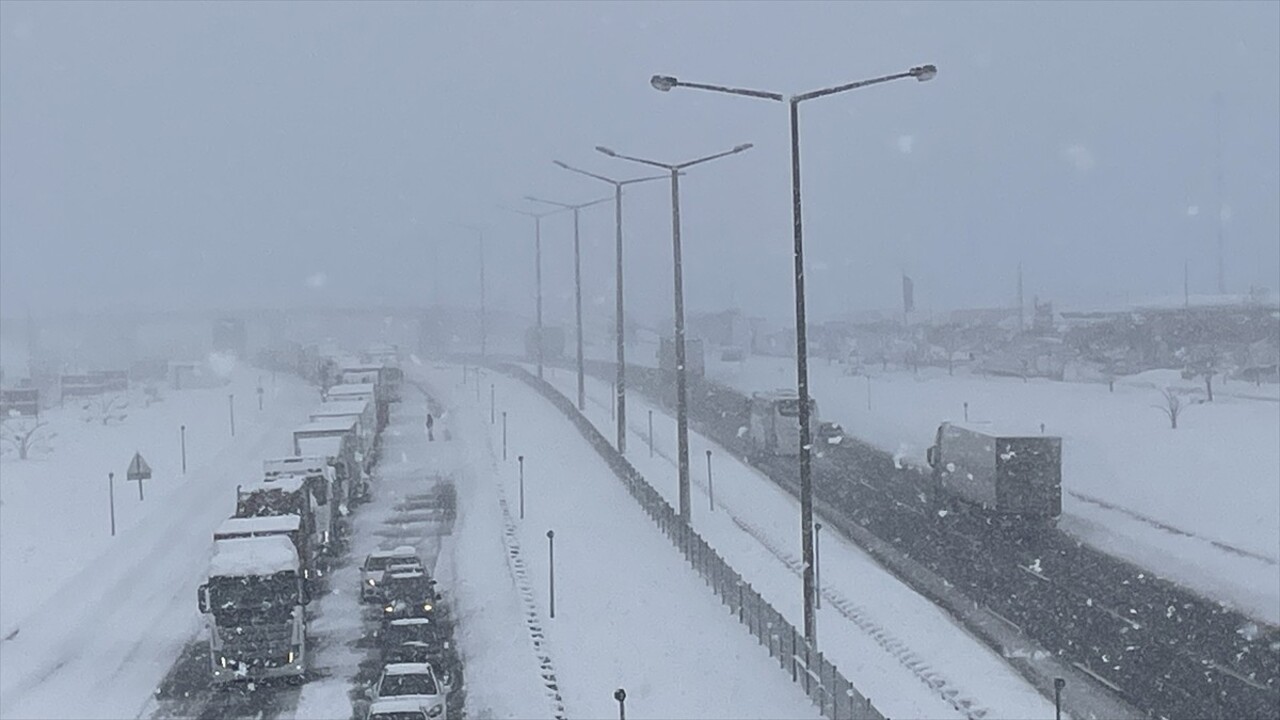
(396, 705)
(400, 551)
(327, 424)
(241, 557)
(323, 446)
(263, 524)
(407, 669)
(351, 389)
(284, 483)
(338, 408)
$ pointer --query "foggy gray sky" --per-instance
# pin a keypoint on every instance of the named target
(251, 154)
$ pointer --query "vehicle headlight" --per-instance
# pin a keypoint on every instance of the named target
(291, 655)
(435, 711)
(426, 606)
(223, 660)
(371, 582)
(389, 608)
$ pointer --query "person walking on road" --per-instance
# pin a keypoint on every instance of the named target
(431, 423)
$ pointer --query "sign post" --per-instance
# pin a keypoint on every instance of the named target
(260, 394)
(111, 498)
(183, 430)
(139, 470)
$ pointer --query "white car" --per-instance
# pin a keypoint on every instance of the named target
(396, 710)
(413, 683)
(376, 564)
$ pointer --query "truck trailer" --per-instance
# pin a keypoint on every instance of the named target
(1004, 474)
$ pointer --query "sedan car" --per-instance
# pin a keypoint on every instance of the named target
(375, 567)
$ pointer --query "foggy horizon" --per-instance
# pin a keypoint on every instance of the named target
(202, 156)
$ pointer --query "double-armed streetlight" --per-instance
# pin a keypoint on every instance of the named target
(620, 383)
(577, 285)
(537, 271)
(666, 83)
(682, 410)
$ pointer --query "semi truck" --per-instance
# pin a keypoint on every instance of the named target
(286, 526)
(364, 415)
(694, 363)
(339, 451)
(254, 604)
(321, 483)
(1004, 474)
(281, 497)
(363, 391)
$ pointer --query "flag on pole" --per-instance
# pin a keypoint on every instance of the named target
(908, 294)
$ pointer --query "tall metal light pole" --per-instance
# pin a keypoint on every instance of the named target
(577, 285)
(665, 83)
(483, 331)
(537, 270)
(620, 384)
(682, 409)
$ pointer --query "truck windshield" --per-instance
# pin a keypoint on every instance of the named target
(253, 597)
(269, 502)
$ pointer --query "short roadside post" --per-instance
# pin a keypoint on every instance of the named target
(650, 433)
(817, 579)
(491, 404)
(1058, 685)
(111, 498)
(182, 429)
(260, 391)
(966, 411)
(504, 434)
(551, 557)
(711, 489)
(621, 696)
(231, 408)
(520, 459)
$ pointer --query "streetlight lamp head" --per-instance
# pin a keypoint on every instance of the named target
(924, 73)
(606, 151)
(744, 146)
(663, 82)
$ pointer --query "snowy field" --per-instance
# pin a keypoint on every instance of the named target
(1199, 505)
(91, 623)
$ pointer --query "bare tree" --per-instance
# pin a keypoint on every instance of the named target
(1172, 407)
(25, 435)
(106, 408)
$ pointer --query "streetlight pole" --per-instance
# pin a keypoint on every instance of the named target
(682, 409)
(666, 83)
(577, 286)
(537, 271)
(620, 384)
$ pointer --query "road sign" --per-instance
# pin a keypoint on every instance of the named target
(139, 469)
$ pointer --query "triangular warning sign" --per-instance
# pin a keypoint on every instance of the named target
(139, 469)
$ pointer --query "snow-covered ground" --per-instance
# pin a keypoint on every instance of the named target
(92, 623)
(1199, 505)
(1125, 471)
(629, 612)
(896, 647)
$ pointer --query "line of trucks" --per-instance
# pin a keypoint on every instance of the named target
(1014, 477)
(272, 553)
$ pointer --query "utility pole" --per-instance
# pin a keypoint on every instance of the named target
(1222, 273)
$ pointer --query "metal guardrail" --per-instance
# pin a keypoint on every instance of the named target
(834, 695)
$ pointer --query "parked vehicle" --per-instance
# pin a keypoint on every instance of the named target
(282, 496)
(1002, 474)
(339, 451)
(253, 602)
(366, 424)
(413, 683)
(773, 427)
(373, 392)
(375, 566)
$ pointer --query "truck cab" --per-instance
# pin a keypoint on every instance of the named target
(774, 423)
(253, 603)
(998, 472)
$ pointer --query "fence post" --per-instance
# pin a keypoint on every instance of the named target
(793, 653)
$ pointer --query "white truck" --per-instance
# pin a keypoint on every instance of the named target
(371, 391)
(336, 440)
(364, 414)
(254, 606)
(321, 481)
